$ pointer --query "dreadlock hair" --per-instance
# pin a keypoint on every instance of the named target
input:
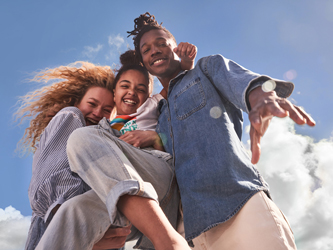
(42, 104)
(130, 61)
(144, 23)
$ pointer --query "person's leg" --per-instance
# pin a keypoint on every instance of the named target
(146, 215)
(123, 175)
(259, 225)
(78, 224)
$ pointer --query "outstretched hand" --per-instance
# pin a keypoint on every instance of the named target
(113, 238)
(266, 105)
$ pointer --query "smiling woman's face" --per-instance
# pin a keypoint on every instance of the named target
(131, 91)
(96, 104)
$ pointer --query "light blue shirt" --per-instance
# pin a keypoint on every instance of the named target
(201, 126)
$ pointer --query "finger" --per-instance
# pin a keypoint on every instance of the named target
(255, 145)
(293, 112)
(175, 50)
(117, 232)
(185, 48)
(110, 243)
(255, 120)
(128, 136)
(193, 52)
(265, 111)
(189, 50)
(179, 50)
(309, 120)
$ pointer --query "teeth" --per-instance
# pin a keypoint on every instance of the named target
(159, 60)
(129, 102)
(92, 121)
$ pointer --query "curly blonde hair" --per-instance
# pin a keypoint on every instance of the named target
(42, 104)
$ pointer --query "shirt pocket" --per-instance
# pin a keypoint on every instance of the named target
(189, 99)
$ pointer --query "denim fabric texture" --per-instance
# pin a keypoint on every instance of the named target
(201, 126)
(113, 168)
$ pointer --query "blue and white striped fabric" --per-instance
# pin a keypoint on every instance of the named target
(52, 181)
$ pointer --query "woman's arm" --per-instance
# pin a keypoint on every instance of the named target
(142, 139)
(52, 182)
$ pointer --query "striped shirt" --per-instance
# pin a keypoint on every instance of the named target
(52, 180)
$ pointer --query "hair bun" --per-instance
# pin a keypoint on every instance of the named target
(129, 58)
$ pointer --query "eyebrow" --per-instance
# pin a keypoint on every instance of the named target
(125, 81)
(140, 84)
(93, 99)
(98, 101)
(158, 38)
(144, 85)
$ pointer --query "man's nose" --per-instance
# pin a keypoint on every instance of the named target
(155, 50)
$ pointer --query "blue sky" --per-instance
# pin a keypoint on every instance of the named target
(284, 39)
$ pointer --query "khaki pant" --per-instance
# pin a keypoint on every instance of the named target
(259, 225)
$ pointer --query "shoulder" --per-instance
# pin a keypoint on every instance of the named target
(67, 118)
(70, 113)
(217, 58)
(150, 103)
(156, 98)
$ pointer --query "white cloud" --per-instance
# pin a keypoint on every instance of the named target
(117, 41)
(91, 52)
(13, 229)
(117, 46)
(299, 172)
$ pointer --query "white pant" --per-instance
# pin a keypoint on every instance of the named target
(259, 225)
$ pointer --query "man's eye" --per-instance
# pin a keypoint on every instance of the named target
(145, 51)
(92, 103)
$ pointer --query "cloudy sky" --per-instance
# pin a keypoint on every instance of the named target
(284, 39)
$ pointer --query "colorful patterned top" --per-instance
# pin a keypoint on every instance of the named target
(144, 119)
(120, 120)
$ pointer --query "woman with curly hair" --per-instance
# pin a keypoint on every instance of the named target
(132, 180)
(82, 97)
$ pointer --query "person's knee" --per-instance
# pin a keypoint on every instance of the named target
(77, 139)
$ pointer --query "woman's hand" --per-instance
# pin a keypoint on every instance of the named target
(266, 105)
(142, 139)
(113, 238)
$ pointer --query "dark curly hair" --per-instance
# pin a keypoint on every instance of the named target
(130, 61)
(144, 23)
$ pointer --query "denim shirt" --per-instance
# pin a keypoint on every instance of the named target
(201, 126)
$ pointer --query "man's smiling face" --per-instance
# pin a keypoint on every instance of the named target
(156, 49)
